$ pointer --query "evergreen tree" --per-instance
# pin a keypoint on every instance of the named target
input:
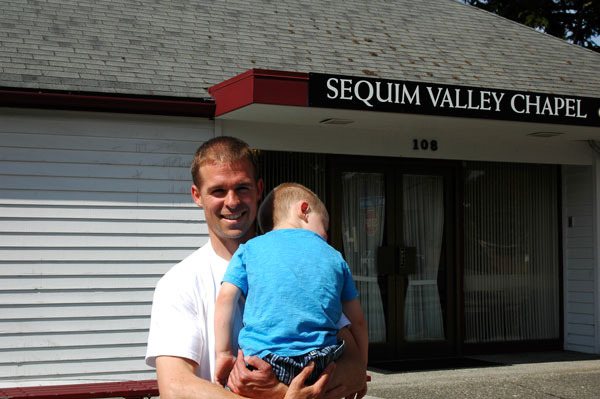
(577, 21)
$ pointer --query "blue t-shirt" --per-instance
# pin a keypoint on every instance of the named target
(294, 283)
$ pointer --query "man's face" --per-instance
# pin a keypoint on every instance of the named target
(229, 196)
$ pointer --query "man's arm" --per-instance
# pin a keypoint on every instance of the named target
(177, 379)
(350, 372)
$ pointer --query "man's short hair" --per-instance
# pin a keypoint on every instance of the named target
(277, 203)
(223, 149)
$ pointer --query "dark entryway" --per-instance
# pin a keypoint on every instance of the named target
(449, 257)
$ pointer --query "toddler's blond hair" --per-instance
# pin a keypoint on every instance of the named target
(276, 206)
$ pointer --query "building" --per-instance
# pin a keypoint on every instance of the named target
(457, 152)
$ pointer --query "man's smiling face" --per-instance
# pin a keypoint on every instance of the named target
(229, 195)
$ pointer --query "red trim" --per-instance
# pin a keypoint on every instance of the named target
(106, 103)
(261, 86)
(125, 389)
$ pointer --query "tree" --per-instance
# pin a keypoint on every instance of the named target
(577, 21)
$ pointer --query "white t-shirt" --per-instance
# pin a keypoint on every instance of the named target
(183, 309)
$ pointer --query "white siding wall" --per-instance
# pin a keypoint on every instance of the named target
(94, 208)
(580, 254)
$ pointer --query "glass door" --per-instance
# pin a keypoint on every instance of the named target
(391, 224)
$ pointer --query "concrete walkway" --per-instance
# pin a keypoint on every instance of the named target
(529, 375)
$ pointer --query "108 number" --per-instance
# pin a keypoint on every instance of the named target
(424, 145)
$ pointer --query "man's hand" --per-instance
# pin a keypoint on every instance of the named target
(260, 382)
(350, 372)
(360, 394)
(298, 390)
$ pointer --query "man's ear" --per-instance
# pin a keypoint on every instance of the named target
(259, 187)
(195, 191)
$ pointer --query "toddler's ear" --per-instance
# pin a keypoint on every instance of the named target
(304, 207)
(303, 210)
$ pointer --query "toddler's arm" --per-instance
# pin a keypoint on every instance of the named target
(359, 330)
(224, 310)
(358, 326)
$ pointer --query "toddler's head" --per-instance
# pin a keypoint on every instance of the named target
(291, 205)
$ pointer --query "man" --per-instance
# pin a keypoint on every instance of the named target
(181, 341)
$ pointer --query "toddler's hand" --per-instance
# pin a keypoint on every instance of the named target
(223, 364)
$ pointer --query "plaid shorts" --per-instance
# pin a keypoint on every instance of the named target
(286, 368)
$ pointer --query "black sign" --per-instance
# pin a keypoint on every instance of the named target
(362, 93)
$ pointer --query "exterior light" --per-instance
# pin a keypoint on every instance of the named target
(545, 134)
(336, 121)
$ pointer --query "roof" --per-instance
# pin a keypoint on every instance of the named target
(181, 48)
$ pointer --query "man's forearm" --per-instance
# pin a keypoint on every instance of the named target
(350, 371)
(177, 380)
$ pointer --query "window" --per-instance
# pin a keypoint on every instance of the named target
(511, 257)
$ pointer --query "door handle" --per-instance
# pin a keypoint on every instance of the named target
(407, 262)
(396, 260)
